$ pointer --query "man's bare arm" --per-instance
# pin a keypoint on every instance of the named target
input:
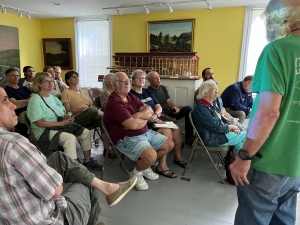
(19, 103)
(145, 113)
(263, 122)
(134, 124)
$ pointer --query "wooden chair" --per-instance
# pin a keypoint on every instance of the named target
(199, 144)
(120, 155)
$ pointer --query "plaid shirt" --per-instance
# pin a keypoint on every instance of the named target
(27, 184)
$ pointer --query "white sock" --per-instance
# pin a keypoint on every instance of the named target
(135, 172)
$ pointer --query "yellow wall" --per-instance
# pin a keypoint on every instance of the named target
(60, 28)
(29, 39)
(217, 38)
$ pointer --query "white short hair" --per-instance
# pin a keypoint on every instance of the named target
(204, 88)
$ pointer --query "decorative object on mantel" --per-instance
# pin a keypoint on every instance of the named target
(170, 36)
(6, 8)
(165, 63)
(157, 4)
(58, 52)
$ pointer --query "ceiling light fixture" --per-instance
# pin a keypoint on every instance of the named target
(20, 13)
(54, 3)
(119, 12)
(157, 4)
(146, 10)
(208, 5)
(3, 9)
(169, 8)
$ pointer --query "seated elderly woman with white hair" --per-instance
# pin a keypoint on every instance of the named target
(213, 128)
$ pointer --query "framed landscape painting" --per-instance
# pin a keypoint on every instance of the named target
(9, 49)
(170, 36)
(58, 52)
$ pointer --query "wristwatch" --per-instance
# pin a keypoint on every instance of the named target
(244, 155)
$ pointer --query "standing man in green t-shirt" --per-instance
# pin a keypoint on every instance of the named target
(267, 171)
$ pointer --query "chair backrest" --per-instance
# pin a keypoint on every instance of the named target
(97, 102)
(94, 92)
(23, 118)
(198, 138)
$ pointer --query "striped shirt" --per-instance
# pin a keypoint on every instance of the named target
(27, 184)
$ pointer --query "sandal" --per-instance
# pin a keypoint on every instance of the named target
(182, 163)
(169, 174)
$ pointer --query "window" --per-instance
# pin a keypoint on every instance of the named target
(93, 45)
(254, 40)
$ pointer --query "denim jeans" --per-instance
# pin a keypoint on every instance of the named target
(269, 199)
(184, 112)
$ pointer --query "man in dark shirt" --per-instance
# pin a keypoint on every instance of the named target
(27, 80)
(18, 96)
(237, 99)
(170, 111)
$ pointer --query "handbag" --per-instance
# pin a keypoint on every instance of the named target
(229, 159)
(59, 118)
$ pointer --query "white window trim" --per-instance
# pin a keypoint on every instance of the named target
(246, 37)
(93, 18)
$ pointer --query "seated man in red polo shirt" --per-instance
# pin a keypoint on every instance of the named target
(126, 118)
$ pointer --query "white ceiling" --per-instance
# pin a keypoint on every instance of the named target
(79, 8)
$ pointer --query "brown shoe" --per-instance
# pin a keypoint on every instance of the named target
(114, 198)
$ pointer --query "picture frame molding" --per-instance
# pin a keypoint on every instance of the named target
(68, 40)
(170, 21)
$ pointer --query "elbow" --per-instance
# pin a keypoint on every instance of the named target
(58, 192)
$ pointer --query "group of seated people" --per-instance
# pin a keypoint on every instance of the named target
(129, 114)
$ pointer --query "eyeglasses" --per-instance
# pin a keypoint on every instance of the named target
(140, 78)
(124, 81)
(48, 81)
(74, 76)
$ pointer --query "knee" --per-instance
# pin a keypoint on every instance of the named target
(150, 157)
(86, 134)
(170, 144)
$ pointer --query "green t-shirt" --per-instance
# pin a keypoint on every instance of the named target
(37, 109)
(278, 71)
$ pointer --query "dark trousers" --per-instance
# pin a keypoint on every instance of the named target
(82, 200)
(184, 112)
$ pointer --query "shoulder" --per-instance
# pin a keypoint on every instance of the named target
(8, 140)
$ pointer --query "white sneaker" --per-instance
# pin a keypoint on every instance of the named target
(149, 174)
(141, 184)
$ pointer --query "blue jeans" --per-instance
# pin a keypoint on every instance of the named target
(184, 112)
(236, 140)
(269, 199)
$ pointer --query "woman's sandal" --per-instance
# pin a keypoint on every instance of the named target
(169, 174)
(182, 163)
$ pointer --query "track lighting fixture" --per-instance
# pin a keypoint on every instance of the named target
(5, 8)
(208, 5)
(20, 13)
(157, 4)
(169, 8)
(146, 10)
(119, 12)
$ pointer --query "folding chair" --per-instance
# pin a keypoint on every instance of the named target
(120, 155)
(94, 93)
(97, 104)
(199, 144)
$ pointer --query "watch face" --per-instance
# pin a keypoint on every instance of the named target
(243, 154)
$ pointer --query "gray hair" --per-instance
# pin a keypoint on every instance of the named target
(106, 78)
(280, 15)
(136, 73)
(115, 78)
(204, 88)
(149, 74)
